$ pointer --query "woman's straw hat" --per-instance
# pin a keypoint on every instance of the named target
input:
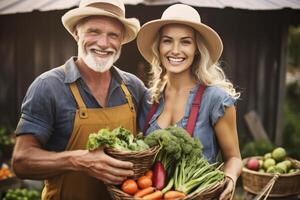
(109, 8)
(178, 14)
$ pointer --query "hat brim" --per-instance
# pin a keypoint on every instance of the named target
(150, 31)
(71, 18)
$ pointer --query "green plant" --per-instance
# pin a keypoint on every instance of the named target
(119, 138)
(257, 148)
(294, 46)
(6, 137)
(291, 131)
(22, 194)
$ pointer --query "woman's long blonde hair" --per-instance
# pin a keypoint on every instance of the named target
(203, 70)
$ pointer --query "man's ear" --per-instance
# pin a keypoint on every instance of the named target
(76, 35)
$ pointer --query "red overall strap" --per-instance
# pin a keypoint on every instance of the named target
(193, 114)
(195, 110)
(149, 116)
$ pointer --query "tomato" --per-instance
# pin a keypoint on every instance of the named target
(149, 174)
(144, 182)
(129, 186)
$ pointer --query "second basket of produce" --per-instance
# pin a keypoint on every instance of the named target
(273, 174)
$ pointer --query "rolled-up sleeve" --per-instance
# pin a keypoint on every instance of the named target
(37, 111)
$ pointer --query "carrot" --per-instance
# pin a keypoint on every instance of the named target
(157, 195)
(144, 192)
(172, 194)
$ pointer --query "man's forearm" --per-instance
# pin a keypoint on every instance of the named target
(31, 161)
(35, 163)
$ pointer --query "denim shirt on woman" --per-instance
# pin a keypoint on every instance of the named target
(214, 101)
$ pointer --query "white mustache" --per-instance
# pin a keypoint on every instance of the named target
(109, 49)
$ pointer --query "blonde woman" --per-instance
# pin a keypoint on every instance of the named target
(188, 88)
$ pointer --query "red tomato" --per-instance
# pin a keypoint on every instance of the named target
(144, 182)
(129, 186)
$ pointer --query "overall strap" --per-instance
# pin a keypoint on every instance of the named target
(81, 106)
(195, 110)
(124, 88)
(149, 116)
(128, 97)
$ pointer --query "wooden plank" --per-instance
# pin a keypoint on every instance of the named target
(255, 126)
(281, 87)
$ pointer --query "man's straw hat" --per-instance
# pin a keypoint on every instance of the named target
(109, 8)
(178, 14)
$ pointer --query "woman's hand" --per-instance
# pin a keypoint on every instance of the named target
(229, 189)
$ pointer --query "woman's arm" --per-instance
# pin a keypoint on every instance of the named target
(226, 132)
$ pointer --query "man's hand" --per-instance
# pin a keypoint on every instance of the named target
(101, 166)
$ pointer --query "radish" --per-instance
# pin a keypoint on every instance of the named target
(159, 175)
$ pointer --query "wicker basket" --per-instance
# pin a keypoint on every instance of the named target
(210, 193)
(117, 194)
(285, 185)
(142, 160)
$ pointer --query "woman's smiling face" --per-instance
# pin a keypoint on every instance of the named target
(177, 47)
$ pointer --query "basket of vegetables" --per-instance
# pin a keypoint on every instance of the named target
(120, 143)
(273, 174)
(179, 171)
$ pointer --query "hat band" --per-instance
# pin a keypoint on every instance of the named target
(109, 8)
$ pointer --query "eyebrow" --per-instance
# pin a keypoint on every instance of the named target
(187, 37)
(93, 30)
(99, 31)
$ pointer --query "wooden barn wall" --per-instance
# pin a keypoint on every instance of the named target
(254, 45)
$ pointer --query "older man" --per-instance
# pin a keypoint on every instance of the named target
(64, 105)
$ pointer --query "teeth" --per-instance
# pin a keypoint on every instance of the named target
(101, 52)
(175, 60)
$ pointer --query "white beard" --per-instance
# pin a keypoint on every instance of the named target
(98, 64)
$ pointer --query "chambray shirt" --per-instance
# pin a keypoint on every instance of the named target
(48, 109)
(214, 101)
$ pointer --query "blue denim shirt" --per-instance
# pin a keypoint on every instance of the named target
(214, 101)
(48, 109)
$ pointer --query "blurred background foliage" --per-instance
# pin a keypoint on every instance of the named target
(257, 148)
(291, 130)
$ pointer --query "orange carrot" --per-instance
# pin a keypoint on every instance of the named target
(157, 195)
(144, 192)
(173, 195)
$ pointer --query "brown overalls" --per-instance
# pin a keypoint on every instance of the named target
(78, 185)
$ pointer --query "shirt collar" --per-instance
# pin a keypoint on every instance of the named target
(72, 73)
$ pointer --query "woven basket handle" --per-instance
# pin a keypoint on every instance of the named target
(232, 193)
(267, 189)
